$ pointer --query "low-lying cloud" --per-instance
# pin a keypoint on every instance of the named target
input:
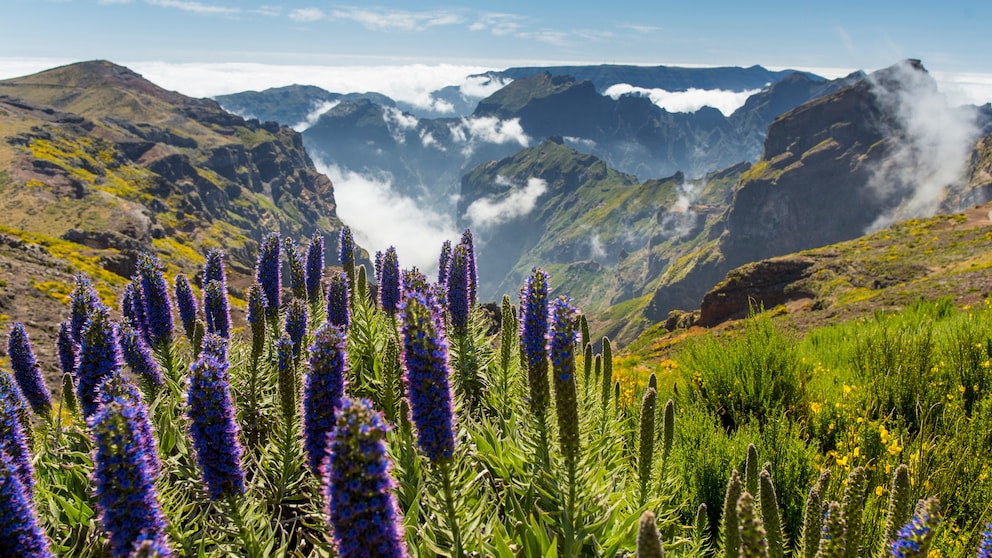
(488, 129)
(314, 115)
(489, 212)
(686, 101)
(398, 123)
(932, 144)
(380, 217)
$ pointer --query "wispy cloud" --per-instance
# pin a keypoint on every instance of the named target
(685, 101)
(645, 29)
(380, 19)
(549, 36)
(111, 2)
(488, 212)
(195, 7)
(498, 24)
(307, 15)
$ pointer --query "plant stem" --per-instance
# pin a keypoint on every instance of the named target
(250, 546)
(449, 503)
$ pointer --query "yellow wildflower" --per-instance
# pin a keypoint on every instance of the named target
(879, 490)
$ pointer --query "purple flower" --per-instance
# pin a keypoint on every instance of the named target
(414, 280)
(443, 261)
(213, 269)
(389, 281)
(346, 252)
(425, 357)
(133, 308)
(215, 346)
(985, 547)
(215, 308)
(286, 376)
(12, 440)
(27, 372)
(458, 290)
(473, 272)
(267, 272)
(378, 265)
(123, 480)
(99, 357)
(256, 318)
(315, 267)
(533, 334)
(20, 533)
(297, 271)
(562, 349)
(296, 324)
(186, 302)
(117, 388)
(913, 540)
(213, 429)
(155, 296)
(337, 300)
(67, 348)
(82, 300)
(137, 355)
(359, 489)
(323, 387)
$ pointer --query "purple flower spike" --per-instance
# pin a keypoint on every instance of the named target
(296, 324)
(985, 547)
(346, 250)
(215, 346)
(67, 349)
(117, 387)
(137, 355)
(27, 372)
(20, 533)
(473, 272)
(415, 281)
(913, 540)
(216, 310)
(99, 357)
(378, 265)
(562, 341)
(297, 271)
(315, 267)
(123, 480)
(133, 308)
(458, 290)
(213, 429)
(267, 272)
(425, 357)
(256, 318)
(12, 440)
(213, 269)
(186, 302)
(158, 305)
(323, 387)
(533, 335)
(83, 300)
(443, 262)
(389, 281)
(337, 300)
(359, 489)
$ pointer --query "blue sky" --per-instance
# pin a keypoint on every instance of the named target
(833, 36)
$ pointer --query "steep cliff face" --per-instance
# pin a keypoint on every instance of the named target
(97, 164)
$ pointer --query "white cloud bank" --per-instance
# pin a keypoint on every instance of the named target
(686, 101)
(380, 218)
(488, 212)
(488, 129)
(314, 114)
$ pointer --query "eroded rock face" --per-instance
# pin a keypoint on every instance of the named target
(763, 284)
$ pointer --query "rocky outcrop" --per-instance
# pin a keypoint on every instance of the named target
(750, 288)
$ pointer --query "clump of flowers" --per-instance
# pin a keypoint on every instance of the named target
(20, 533)
(323, 388)
(267, 273)
(26, 370)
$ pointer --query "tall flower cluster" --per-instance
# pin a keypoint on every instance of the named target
(346, 253)
(267, 272)
(157, 303)
(443, 262)
(315, 267)
(99, 357)
(133, 307)
(338, 300)
(12, 440)
(213, 428)
(82, 301)
(20, 533)
(297, 271)
(323, 388)
(562, 349)
(459, 290)
(473, 271)
(216, 309)
(985, 547)
(123, 480)
(913, 540)
(648, 539)
(754, 543)
(137, 355)
(425, 357)
(361, 506)
(117, 388)
(26, 370)
(213, 269)
(186, 302)
(255, 317)
(389, 281)
(66, 348)
(533, 336)
(296, 324)
(286, 380)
